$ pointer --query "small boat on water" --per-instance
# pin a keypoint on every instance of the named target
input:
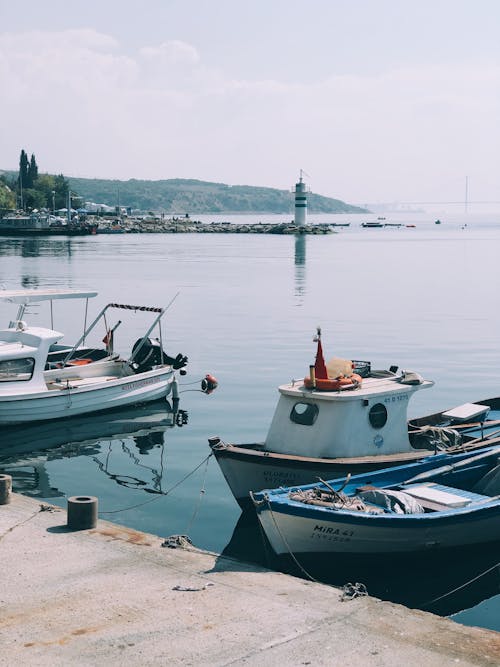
(442, 503)
(372, 224)
(345, 417)
(34, 389)
(38, 224)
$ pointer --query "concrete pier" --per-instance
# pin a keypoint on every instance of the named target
(113, 596)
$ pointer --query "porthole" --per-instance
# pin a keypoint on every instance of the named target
(304, 413)
(378, 415)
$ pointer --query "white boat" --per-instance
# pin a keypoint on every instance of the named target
(328, 428)
(442, 503)
(29, 392)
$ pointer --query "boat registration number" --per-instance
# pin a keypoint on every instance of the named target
(330, 534)
(139, 384)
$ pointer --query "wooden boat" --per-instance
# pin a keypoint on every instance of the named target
(351, 428)
(30, 392)
(441, 503)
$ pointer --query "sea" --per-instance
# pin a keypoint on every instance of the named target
(245, 308)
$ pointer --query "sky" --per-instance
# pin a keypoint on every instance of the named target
(375, 100)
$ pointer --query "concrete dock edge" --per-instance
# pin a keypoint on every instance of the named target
(111, 595)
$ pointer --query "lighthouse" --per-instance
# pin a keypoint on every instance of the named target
(300, 202)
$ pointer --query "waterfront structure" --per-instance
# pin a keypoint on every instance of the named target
(300, 202)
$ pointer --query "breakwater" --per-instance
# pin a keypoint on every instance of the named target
(188, 226)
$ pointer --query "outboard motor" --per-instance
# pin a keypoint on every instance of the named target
(151, 354)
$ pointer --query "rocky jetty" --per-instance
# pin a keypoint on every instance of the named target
(188, 226)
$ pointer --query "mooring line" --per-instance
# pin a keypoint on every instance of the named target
(160, 493)
(458, 588)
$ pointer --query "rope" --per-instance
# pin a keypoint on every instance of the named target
(458, 588)
(160, 493)
(290, 552)
(202, 493)
(349, 591)
(42, 508)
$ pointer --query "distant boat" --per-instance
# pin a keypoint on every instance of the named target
(35, 224)
(340, 224)
(372, 224)
(437, 222)
(380, 218)
(411, 225)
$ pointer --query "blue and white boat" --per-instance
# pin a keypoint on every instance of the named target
(441, 503)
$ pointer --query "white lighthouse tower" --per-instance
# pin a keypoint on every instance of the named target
(300, 202)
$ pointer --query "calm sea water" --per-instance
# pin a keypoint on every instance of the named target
(422, 298)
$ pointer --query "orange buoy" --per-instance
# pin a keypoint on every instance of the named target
(334, 384)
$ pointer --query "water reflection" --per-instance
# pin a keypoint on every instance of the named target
(300, 266)
(443, 584)
(36, 247)
(117, 442)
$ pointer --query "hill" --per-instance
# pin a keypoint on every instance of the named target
(179, 196)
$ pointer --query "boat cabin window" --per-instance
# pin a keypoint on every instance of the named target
(16, 370)
(304, 413)
(378, 415)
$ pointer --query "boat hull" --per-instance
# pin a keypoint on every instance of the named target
(302, 531)
(248, 469)
(101, 395)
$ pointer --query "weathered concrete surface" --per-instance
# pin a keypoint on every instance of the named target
(108, 597)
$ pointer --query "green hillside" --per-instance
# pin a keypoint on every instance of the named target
(178, 196)
(191, 196)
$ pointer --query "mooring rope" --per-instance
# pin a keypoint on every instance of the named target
(458, 588)
(290, 552)
(201, 495)
(159, 494)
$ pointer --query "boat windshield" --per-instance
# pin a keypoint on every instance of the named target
(17, 370)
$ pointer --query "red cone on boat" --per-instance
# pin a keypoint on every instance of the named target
(320, 366)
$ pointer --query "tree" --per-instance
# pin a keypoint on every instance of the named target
(32, 171)
(7, 196)
(34, 199)
(23, 174)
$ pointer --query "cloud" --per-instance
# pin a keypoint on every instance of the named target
(87, 107)
(174, 52)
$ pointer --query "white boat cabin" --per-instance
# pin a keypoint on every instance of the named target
(23, 354)
(368, 420)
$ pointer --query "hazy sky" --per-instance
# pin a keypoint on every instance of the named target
(377, 100)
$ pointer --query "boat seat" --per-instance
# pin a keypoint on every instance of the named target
(438, 497)
(467, 412)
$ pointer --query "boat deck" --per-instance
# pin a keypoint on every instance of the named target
(77, 383)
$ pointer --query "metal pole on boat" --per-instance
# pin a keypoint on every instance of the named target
(162, 312)
(85, 334)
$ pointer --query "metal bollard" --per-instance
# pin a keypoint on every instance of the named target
(5, 489)
(82, 512)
